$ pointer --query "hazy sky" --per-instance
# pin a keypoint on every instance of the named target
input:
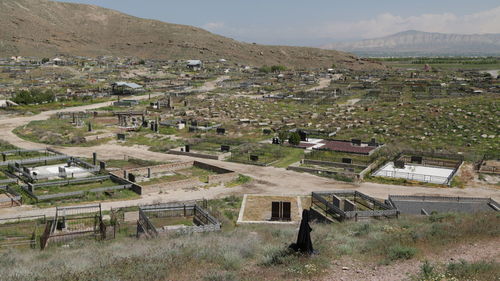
(316, 22)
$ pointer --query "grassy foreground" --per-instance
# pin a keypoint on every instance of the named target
(248, 252)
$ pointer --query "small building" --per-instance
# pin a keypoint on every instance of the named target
(194, 65)
(125, 88)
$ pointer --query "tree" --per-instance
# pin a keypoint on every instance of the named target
(282, 135)
(45, 60)
(294, 138)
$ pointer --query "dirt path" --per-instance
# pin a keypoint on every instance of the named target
(323, 83)
(356, 270)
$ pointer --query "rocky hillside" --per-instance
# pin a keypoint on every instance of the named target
(46, 28)
(416, 43)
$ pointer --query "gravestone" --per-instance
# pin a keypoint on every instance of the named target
(336, 201)
(347, 160)
(349, 205)
(225, 148)
(131, 177)
(303, 136)
(102, 166)
(356, 142)
(187, 148)
(400, 164)
(94, 158)
(62, 172)
(416, 159)
(120, 137)
(275, 211)
(286, 211)
(221, 131)
(90, 127)
(254, 158)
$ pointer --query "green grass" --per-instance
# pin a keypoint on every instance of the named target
(73, 187)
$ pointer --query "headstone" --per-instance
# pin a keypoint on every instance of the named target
(336, 201)
(131, 177)
(303, 136)
(347, 160)
(94, 158)
(221, 131)
(286, 211)
(349, 205)
(187, 148)
(275, 211)
(90, 127)
(400, 164)
(120, 136)
(225, 148)
(356, 142)
(149, 172)
(102, 166)
(254, 158)
(62, 172)
(416, 159)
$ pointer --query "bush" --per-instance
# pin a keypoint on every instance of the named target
(34, 97)
(399, 252)
(294, 138)
(466, 270)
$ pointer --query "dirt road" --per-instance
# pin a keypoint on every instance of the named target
(323, 83)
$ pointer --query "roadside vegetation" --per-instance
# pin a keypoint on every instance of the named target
(239, 253)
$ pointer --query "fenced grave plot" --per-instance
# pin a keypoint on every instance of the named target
(9, 197)
(189, 174)
(427, 205)
(75, 223)
(264, 154)
(422, 168)
(53, 170)
(81, 189)
(489, 167)
(349, 205)
(275, 209)
(187, 217)
(25, 233)
(23, 156)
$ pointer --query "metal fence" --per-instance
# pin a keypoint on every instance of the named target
(204, 222)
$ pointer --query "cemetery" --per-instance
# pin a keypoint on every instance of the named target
(427, 205)
(422, 167)
(345, 205)
(24, 156)
(178, 217)
(176, 175)
(272, 209)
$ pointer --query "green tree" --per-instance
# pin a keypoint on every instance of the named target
(282, 135)
(294, 138)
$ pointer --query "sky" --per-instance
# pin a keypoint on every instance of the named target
(316, 22)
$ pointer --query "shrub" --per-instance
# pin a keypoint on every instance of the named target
(399, 252)
(466, 270)
(294, 138)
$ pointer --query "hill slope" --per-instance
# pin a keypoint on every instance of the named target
(416, 43)
(46, 28)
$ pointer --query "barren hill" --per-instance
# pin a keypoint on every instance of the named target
(46, 28)
(417, 43)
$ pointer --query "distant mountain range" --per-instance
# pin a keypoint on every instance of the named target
(417, 43)
(48, 28)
